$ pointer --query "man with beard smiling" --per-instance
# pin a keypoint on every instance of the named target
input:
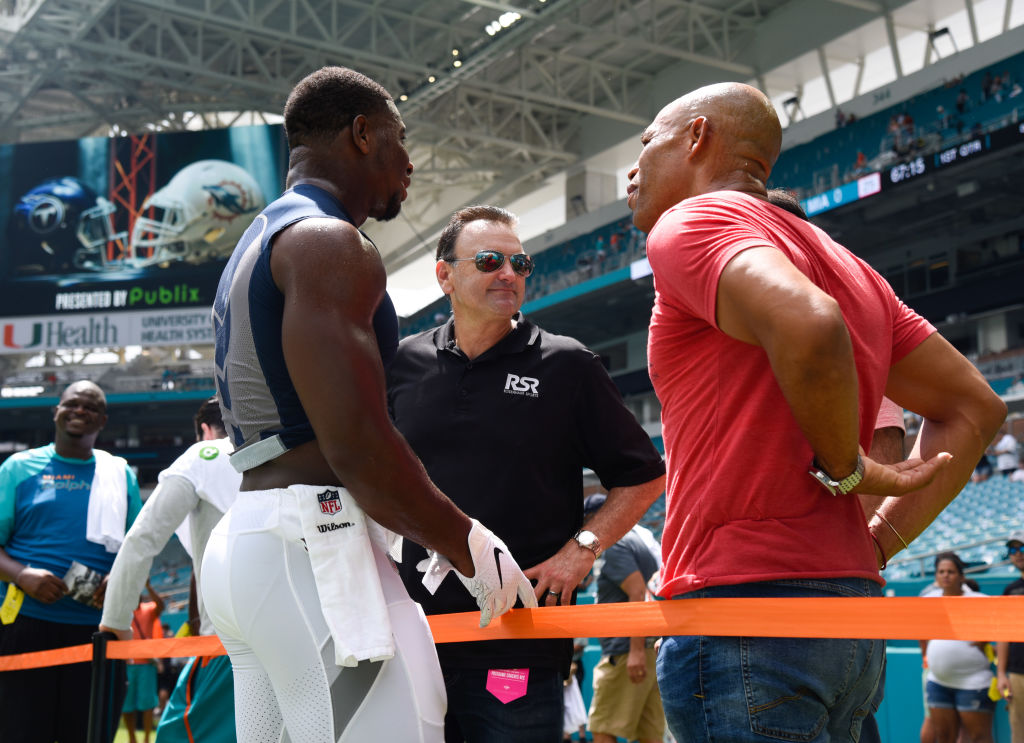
(61, 503)
(324, 641)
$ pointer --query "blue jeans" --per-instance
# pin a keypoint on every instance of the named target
(741, 689)
(965, 700)
(477, 716)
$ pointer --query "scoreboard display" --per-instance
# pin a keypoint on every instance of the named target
(915, 169)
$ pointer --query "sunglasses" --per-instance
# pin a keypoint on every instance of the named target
(1013, 550)
(489, 261)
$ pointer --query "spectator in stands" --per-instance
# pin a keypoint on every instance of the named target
(860, 166)
(141, 697)
(996, 89)
(626, 700)
(62, 504)
(549, 406)
(983, 470)
(1018, 474)
(962, 101)
(191, 497)
(959, 672)
(1010, 655)
(744, 287)
(986, 85)
(1005, 451)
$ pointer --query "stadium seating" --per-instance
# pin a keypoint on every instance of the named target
(975, 525)
(830, 160)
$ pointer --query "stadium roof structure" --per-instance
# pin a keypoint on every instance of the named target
(498, 95)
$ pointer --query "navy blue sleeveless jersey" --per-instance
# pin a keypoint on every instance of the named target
(257, 397)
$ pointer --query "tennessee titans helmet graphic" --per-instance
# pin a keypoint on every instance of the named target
(198, 216)
(62, 225)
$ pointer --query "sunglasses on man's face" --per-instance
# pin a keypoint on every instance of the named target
(1011, 551)
(489, 261)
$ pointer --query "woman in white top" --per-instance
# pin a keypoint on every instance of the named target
(959, 672)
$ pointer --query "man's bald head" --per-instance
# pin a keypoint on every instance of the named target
(743, 123)
(720, 137)
(84, 386)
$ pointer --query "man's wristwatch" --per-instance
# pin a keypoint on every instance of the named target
(588, 540)
(838, 487)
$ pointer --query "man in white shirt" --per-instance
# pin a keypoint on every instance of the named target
(193, 494)
(1006, 452)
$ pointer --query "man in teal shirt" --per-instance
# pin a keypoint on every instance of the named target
(60, 504)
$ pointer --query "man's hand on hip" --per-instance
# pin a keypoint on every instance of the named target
(900, 478)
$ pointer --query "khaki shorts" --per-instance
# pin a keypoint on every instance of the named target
(1015, 706)
(622, 708)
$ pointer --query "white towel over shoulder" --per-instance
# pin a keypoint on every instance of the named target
(338, 535)
(108, 501)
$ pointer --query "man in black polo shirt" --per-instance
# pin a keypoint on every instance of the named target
(505, 416)
(1010, 655)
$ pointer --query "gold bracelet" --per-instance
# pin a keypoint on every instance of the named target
(898, 535)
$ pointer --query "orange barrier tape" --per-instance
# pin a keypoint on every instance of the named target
(169, 647)
(44, 658)
(990, 619)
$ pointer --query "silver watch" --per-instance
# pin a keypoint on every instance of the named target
(588, 540)
(838, 487)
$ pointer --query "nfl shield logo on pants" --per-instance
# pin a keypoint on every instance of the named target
(330, 502)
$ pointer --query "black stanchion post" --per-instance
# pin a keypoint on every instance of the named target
(106, 692)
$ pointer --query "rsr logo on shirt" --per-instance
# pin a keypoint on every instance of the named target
(516, 385)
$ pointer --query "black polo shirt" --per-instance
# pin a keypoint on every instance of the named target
(506, 436)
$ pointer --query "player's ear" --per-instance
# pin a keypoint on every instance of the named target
(360, 132)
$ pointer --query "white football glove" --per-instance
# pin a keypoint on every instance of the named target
(496, 581)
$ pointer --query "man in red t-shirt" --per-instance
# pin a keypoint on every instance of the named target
(770, 349)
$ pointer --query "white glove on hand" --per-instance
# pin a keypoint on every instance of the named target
(496, 581)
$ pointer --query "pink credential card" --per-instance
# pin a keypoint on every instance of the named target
(507, 684)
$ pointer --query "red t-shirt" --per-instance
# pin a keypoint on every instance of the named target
(741, 506)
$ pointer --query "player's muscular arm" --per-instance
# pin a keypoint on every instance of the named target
(333, 281)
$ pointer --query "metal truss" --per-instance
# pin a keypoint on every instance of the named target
(489, 115)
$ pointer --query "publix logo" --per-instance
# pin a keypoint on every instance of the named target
(209, 452)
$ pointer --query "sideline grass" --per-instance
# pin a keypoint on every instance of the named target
(122, 735)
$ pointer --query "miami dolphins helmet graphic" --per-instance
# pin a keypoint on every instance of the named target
(198, 216)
